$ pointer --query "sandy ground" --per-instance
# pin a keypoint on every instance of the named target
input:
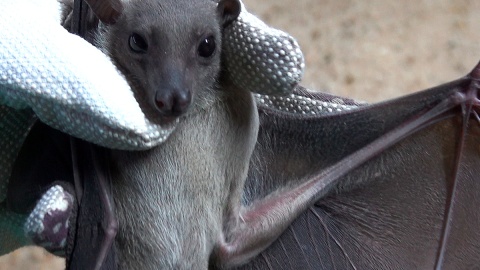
(373, 50)
(368, 50)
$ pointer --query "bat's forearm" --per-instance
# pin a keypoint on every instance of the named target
(264, 221)
(260, 225)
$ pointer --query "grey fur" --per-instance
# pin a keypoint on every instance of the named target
(194, 183)
(173, 31)
(195, 179)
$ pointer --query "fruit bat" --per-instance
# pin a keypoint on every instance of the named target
(390, 185)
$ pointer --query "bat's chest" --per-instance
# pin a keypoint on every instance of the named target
(166, 213)
(173, 200)
(176, 228)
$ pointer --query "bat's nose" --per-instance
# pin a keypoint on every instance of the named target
(172, 102)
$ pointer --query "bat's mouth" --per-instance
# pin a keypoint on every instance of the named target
(168, 120)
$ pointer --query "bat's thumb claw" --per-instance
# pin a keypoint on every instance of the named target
(475, 73)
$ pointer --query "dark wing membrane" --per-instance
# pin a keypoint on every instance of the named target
(391, 212)
(43, 159)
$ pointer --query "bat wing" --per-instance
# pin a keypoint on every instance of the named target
(51, 158)
(411, 206)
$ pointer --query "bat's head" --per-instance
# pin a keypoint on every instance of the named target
(169, 50)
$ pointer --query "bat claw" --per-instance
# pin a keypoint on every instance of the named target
(241, 218)
(469, 99)
(475, 73)
(475, 114)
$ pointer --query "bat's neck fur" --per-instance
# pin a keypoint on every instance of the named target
(172, 200)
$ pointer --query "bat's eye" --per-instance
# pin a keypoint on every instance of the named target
(137, 43)
(207, 47)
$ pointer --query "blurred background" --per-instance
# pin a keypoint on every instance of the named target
(367, 50)
(377, 49)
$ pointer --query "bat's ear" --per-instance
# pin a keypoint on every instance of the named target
(228, 11)
(107, 11)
